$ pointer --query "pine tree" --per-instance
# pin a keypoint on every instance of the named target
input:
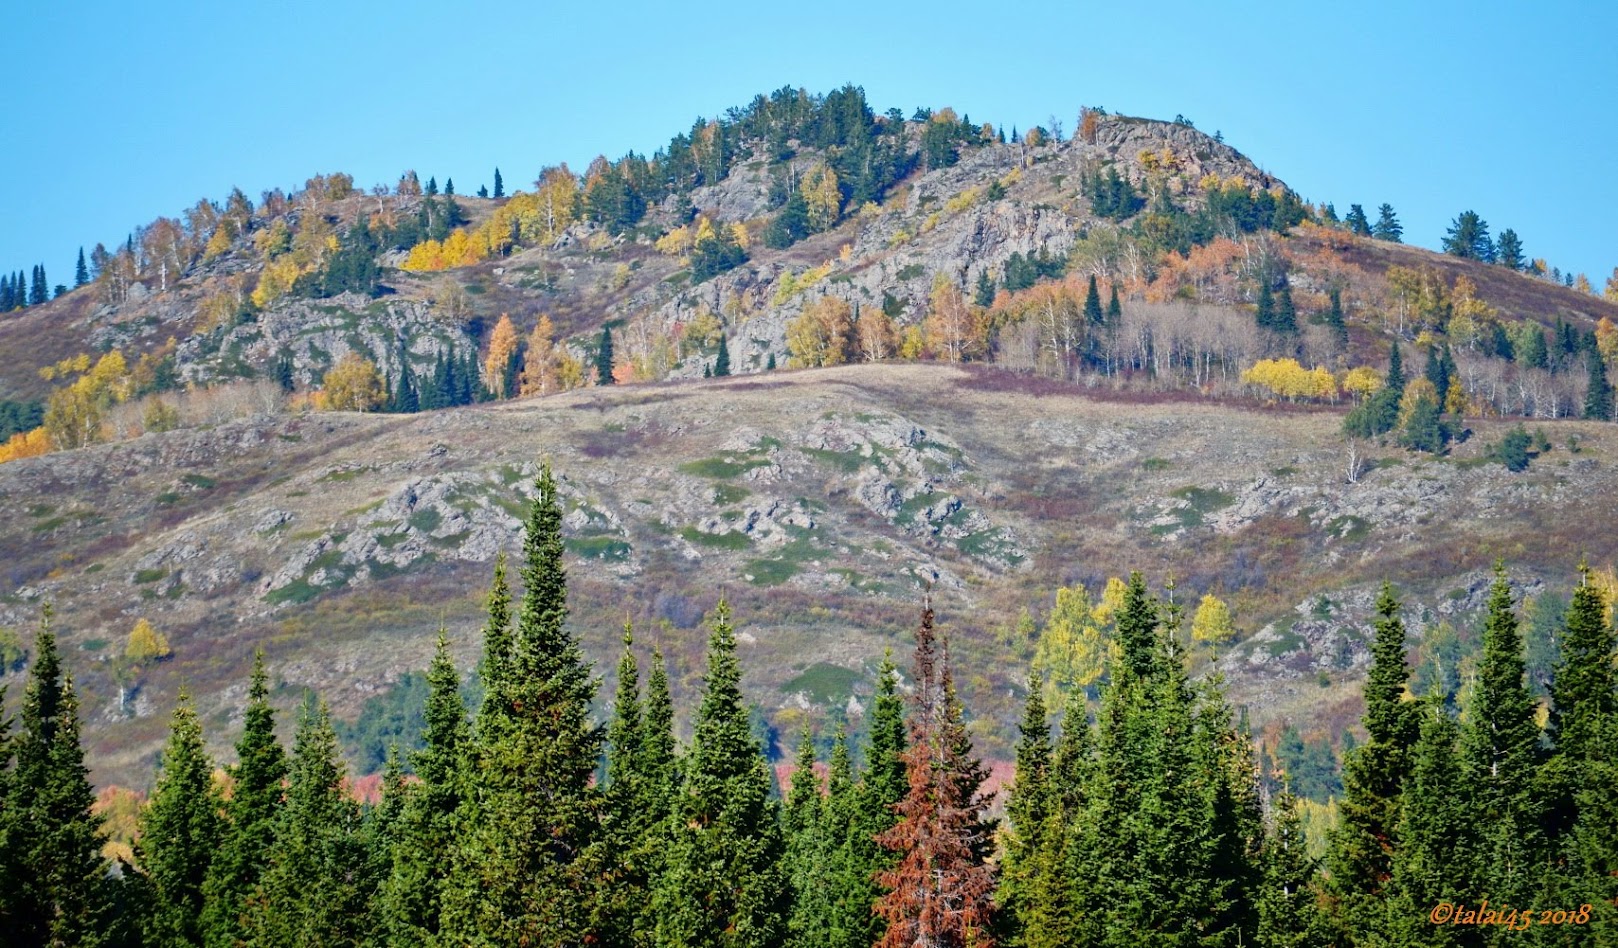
(1431, 863)
(604, 358)
(1030, 808)
(983, 294)
(499, 185)
(250, 818)
(1499, 756)
(805, 851)
(724, 884)
(81, 273)
(658, 767)
(180, 831)
(885, 781)
(520, 872)
(1361, 857)
(1093, 314)
(1468, 238)
(1288, 916)
(449, 187)
(1508, 250)
(1598, 394)
(1387, 225)
(632, 830)
(769, 363)
(1115, 310)
(1334, 317)
(412, 895)
(1264, 312)
(1395, 382)
(721, 365)
(1286, 315)
(59, 891)
(317, 882)
(1357, 221)
(939, 893)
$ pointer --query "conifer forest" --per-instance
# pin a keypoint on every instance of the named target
(1139, 812)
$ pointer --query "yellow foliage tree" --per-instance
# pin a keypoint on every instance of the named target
(1288, 379)
(1417, 390)
(912, 344)
(74, 414)
(1607, 342)
(146, 644)
(1362, 381)
(877, 338)
(821, 194)
(353, 384)
(675, 243)
(276, 280)
(502, 348)
(539, 362)
(1610, 291)
(1074, 647)
(701, 333)
(954, 330)
(26, 444)
(1212, 623)
(823, 334)
(1112, 599)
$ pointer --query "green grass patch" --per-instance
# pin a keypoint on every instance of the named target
(824, 683)
(426, 520)
(722, 468)
(94, 645)
(915, 506)
(729, 540)
(846, 461)
(598, 548)
(726, 494)
(1155, 464)
(1286, 640)
(1286, 471)
(41, 510)
(911, 271)
(167, 498)
(1350, 528)
(770, 572)
(199, 481)
(1200, 502)
(142, 577)
(340, 477)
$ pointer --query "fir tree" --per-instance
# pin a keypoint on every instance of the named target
(499, 185)
(180, 831)
(1264, 312)
(1431, 864)
(604, 358)
(1288, 916)
(805, 851)
(1286, 315)
(983, 295)
(317, 883)
(1115, 310)
(1499, 755)
(449, 187)
(631, 832)
(250, 818)
(1468, 238)
(1395, 382)
(769, 363)
(81, 273)
(724, 884)
(1361, 857)
(519, 873)
(885, 781)
(1598, 394)
(412, 895)
(1030, 808)
(1093, 314)
(1334, 317)
(1508, 250)
(939, 893)
(59, 892)
(1387, 225)
(721, 365)
(40, 291)
(1357, 221)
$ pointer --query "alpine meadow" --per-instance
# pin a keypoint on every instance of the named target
(838, 528)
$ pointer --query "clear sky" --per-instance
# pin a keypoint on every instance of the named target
(121, 112)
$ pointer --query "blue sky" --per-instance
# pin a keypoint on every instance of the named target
(122, 112)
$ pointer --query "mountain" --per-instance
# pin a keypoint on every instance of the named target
(1000, 442)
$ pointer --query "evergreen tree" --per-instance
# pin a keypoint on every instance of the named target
(1361, 857)
(1286, 315)
(1468, 238)
(1357, 221)
(1431, 864)
(1387, 225)
(1030, 808)
(1334, 317)
(1115, 310)
(412, 893)
(1093, 315)
(983, 295)
(179, 832)
(658, 767)
(604, 357)
(449, 187)
(41, 291)
(635, 808)
(805, 851)
(769, 363)
(432, 187)
(520, 872)
(250, 818)
(1499, 756)
(318, 879)
(939, 893)
(1067, 891)
(58, 891)
(499, 185)
(1598, 394)
(885, 781)
(1508, 250)
(1288, 916)
(1395, 381)
(724, 884)
(721, 365)
(81, 273)
(1264, 313)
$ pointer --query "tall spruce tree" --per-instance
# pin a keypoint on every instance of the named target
(1499, 758)
(1264, 310)
(1431, 864)
(81, 272)
(250, 818)
(59, 891)
(499, 185)
(721, 364)
(529, 818)
(1598, 398)
(940, 891)
(413, 892)
(1288, 910)
(632, 830)
(806, 850)
(1334, 317)
(1286, 314)
(180, 831)
(724, 885)
(1029, 809)
(1361, 857)
(1093, 314)
(604, 357)
(318, 881)
(1387, 225)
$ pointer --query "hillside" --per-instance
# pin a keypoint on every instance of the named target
(822, 502)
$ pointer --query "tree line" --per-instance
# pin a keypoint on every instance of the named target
(1141, 819)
